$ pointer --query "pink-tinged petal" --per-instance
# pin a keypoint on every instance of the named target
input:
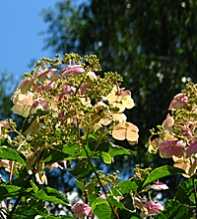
(47, 73)
(40, 104)
(83, 89)
(153, 208)
(87, 210)
(103, 196)
(188, 129)
(73, 69)
(167, 149)
(192, 149)
(168, 122)
(159, 186)
(81, 209)
(180, 100)
(49, 85)
(61, 116)
(67, 89)
(187, 132)
(25, 85)
(4, 124)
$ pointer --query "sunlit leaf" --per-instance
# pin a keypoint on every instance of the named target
(106, 157)
(124, 187)
(8, 153)
(117, 151)
(102, 209)
(41, 195)
(160, 172)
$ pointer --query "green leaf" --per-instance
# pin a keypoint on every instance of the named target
(124, 187)
(185, 192)
(54, 192)
(161, 216)
(8, 153)
(9, 191)
(71, 149)
(175, 209)
(27, 210)
(192, 197)
(117, 151)
(54, 156)
(34, 186)
(41, 195)
(11, 188)
(115, 202)
(102, 209)
(73, 152)
(160, 172)
(82, 169)
(106, 157)
(134, 217)
(56, 217)
(80, 185)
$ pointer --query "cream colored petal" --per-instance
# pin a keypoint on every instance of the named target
(23, 103)
(106, 121)
(112, 97)
(128, 102)
(119, 132)
(132, 133)
(119, 117)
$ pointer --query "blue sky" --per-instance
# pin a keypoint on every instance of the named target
(20, 42)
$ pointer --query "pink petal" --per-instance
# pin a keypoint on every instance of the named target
(178, 101)
(192, 149)
(159, 186)
(40, 104)
(67, 89)
(48, 73)
(168, 149)
(25, 85)
(73, 69)
(87, 210)
(153, 208)
(81, 209)
(168, 122)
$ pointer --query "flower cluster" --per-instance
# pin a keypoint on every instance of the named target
(63, 102)
(148, 208)
(176, 138)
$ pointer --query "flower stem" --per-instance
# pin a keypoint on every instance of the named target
(100, 182)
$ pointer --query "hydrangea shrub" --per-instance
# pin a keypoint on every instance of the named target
(70, 116)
